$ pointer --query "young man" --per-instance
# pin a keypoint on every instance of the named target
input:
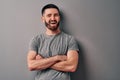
(53, 54)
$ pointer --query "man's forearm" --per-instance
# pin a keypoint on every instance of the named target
(43, 63)
(63, 66)
(70, 65)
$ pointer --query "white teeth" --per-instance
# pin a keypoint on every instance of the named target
(53, 22)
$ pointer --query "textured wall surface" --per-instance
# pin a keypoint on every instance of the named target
(94, 23)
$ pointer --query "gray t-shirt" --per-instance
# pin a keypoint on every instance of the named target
(51, 45)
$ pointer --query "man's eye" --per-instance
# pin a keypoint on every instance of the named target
(49, 15)
(56, 15)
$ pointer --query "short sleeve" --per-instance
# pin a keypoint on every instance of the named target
(34, 43)
(73, 44)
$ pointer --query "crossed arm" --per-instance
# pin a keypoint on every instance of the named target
(67, 63)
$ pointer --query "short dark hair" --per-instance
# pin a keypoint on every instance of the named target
(49, 6)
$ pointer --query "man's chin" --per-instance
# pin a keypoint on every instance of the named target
(53, 28)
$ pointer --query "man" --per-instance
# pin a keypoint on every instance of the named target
(53, 54)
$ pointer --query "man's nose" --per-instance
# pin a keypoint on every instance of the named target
(52, 17)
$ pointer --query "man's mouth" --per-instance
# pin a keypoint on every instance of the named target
(53, 22)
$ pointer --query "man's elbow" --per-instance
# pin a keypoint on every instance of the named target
(33, 68)
(30, 68)
(73, 69)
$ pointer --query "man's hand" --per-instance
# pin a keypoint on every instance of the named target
(58, 57)
(61, 57)
(38, 57)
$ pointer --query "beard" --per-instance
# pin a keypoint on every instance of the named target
(52, 25)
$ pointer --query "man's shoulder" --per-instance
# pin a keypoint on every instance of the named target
(38, 36)
(67, 35)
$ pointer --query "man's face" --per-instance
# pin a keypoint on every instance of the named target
(51, 18)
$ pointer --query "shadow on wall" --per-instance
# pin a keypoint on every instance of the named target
(80, 74)
(63, 25)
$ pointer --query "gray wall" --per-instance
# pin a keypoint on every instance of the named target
(94, 23)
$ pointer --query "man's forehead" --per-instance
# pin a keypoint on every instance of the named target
(51, 10)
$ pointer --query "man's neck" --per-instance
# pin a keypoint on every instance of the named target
(50, 32)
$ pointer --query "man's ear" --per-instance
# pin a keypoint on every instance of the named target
(43, 19)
